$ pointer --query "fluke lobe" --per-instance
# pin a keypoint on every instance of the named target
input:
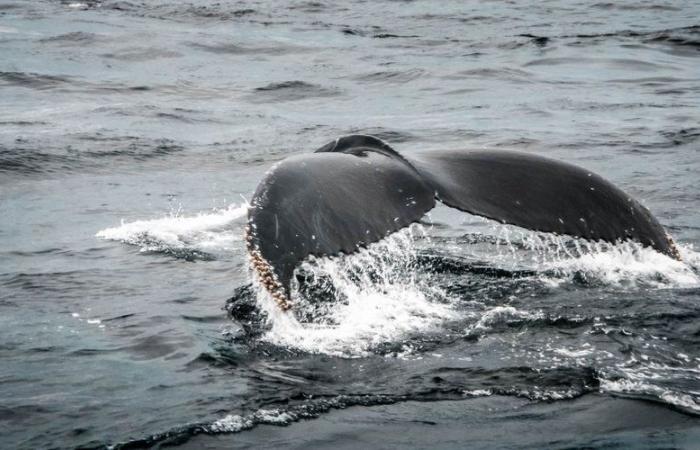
(357, 189)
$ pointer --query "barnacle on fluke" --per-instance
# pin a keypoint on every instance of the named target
(264, 273)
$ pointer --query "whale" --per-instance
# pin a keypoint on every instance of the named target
(356, 190)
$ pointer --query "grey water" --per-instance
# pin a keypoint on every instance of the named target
(132, 134)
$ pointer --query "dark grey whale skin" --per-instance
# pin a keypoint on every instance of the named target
(356, 190)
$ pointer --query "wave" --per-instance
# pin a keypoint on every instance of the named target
(437, 385)
(290, 91)
(32, 80)
(391, 76)
(31, 158)
(648, 390)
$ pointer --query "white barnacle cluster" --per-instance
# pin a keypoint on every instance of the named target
(265, 274)
(675, 252)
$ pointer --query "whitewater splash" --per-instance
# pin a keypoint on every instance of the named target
(379, 297)
(622, 265)
(193, 236)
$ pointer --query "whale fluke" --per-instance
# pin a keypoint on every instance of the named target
(324, 204)
(540, 194)
(356, 190)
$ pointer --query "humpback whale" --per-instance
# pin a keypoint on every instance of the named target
(356, 190)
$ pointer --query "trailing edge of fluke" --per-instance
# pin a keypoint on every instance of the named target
(356, 190)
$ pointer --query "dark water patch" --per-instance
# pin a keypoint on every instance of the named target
(458, 17)
(652, 81)
(62, 83)
(477, 18)
(517, 142)
(23, 413)
(27, 159)
(461, 91)
(634, 33)
(681, 137)
(118, 318)
(539, 41)
(627, 64)
(47, 251)
(22, 123)
(678, 92)
(290, 91)
(224, 360)
(310, 7)
(590, 106)
(119, 5)
(73, 38)
(45, 349)
(394, 36)
(188, 11)
(683, 37)
(457, 266)
(644, 6)
(509, 320)
(9, 6)
(217, 318)
(215, 12)
(23, 161)
(487, 73)
(92, 352)
(494, 291)
(156, 346)
(52, 283)
(670, 139)
(185, 115)
(682, 41)
(139, 54)
(353, 32)
(391, 76)
(130, 148)
(32, 80)
(243, 308)
(242, 12)
(229, 48)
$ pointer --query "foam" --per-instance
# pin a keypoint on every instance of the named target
(202, 232)
(636, 387)
(630, 264)
(623, 265)
(501, 315)
(384, 299)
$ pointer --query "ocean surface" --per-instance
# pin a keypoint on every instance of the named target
(133, 133)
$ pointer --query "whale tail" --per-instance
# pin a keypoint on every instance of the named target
(356, 190)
